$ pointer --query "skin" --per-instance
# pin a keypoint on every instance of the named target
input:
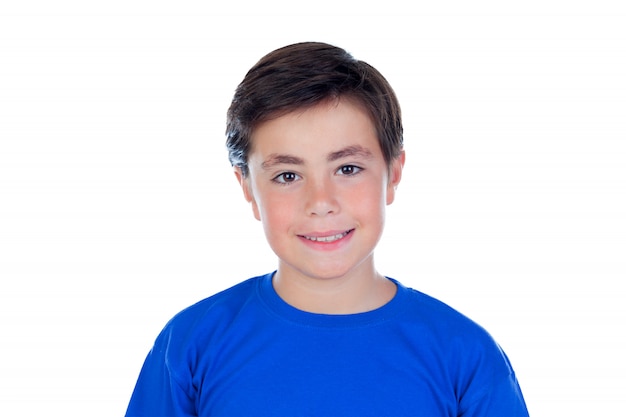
(319, 184)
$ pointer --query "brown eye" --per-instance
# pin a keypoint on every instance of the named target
(286, 177)
(349, 170)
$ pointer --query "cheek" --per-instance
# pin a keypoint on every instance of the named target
(368, 200)
(276, 211)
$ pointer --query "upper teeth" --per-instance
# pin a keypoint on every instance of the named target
(327, 238)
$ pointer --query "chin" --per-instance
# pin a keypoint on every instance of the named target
(329, 271)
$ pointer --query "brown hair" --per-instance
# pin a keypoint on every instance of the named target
(302, 75)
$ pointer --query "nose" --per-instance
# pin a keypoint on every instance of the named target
(321, 198)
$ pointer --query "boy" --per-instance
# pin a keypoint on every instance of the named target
(315, 138)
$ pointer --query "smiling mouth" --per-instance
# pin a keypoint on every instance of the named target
(330, 238)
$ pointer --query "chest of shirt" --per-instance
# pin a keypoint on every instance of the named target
(315, 372)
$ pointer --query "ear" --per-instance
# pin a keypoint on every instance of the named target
(395, 175)
(244, 182)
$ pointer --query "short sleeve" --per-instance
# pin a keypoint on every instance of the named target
(158, 392)
(495, 393)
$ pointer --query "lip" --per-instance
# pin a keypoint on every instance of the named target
(327, 240)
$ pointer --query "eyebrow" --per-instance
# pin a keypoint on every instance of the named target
(278, 159)
(348, 151)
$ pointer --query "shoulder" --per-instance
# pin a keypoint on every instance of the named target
(207, 316)
(230, 298)
(435, 313)
(467, 351)
(449, 329)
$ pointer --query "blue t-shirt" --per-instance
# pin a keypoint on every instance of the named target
(245, 352)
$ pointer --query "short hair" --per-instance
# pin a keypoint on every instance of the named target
(300, 76)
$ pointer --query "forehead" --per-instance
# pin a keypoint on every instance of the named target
(325, 127)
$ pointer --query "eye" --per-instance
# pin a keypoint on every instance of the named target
(285, 177)
(348, 170)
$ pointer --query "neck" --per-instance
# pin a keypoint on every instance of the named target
(360, 291)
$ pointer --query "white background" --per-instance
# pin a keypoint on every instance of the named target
(118, 206)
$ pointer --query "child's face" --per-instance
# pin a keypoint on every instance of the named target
(319, 184)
